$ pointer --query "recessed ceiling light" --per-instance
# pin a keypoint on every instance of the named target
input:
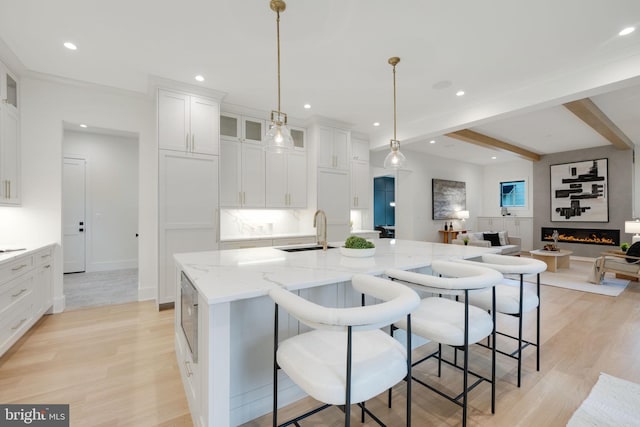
(432, 141)
(376, 124)
(307, 106)
(460, 93)
(83, 125)
(626, 31)
(70, 46)
(493, 157)
(199, 78)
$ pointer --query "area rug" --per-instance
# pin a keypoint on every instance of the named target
(612, 402)
(576, 278)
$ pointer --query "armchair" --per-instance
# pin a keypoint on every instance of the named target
(615, 262)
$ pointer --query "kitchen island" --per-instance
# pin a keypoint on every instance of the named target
(226, 365)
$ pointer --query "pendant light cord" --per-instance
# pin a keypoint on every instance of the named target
(394, 104)
(278, 41)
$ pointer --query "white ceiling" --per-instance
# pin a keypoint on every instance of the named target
(517, 60)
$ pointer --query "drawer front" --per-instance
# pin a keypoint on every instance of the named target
(43, 257)
(15, 268)
(14, 292)
(14, 322)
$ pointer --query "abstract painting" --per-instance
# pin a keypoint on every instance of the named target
(448, 197)
(579, 191)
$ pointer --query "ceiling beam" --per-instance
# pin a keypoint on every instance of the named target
(589, 113)
(476, 138)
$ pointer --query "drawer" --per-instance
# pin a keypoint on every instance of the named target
(43, 257)
(288, 241)
(14, 292)
(15, 268)
(14, 323)
(245, 244)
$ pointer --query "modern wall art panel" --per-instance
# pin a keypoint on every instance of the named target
(579, 191)
(448, 197)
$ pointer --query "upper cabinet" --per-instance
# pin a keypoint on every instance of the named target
(9, 139)
(286, 183)
(242, 182)
(359, 150)
(242, 128)
(188, 123)
(333, 148)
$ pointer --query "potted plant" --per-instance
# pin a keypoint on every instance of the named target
(356, 246)
(465, 240)
(624, 246)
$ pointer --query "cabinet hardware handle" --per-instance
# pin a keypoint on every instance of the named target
(9, 182)
(45, 256)
(47, 266)
(188, 368)
(13, 328)
(22, 291)
(20, 267)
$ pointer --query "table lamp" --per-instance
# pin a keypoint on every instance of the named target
(463, 215)
(633, 227)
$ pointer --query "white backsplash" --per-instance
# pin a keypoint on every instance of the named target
(236, 223)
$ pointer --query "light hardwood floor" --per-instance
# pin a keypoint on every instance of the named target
(116, 367)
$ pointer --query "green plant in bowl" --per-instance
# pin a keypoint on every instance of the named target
(356, 242)
(624, 246)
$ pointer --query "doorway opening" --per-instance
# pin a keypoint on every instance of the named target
(100, 216)
(384, 216)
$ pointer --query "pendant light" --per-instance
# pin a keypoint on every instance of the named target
(395, 159)
(278, 136)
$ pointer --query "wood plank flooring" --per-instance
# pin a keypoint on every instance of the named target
(116, 367)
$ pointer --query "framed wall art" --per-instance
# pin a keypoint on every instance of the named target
(447, 197)
(579, 191)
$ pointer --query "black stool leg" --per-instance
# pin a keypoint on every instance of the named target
(520, 328)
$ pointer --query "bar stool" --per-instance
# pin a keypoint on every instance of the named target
(449, 322)
(345, 359)
(513, 300)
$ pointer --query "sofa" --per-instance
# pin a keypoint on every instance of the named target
(507, 245)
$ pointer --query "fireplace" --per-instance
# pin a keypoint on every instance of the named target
(589, 236)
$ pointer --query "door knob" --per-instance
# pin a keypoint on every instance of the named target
(81, 230)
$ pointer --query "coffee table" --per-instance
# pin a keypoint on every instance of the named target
(553, 259)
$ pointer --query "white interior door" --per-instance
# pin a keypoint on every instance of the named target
(73, 214)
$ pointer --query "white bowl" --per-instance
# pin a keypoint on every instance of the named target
(357, 253)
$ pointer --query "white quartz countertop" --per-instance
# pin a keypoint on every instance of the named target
(230, 275)
(11, 254)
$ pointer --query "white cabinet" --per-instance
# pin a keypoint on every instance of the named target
(361, 185)
(25, 294)
(359, 150)
(515, 226)
(242, 182)
(286, 180)
(333, 148)
(333, 198)
(9, 139)
(188, 211)
(241, 128)
(245, 244)
(188, 123)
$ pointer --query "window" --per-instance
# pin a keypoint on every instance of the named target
(513, 194)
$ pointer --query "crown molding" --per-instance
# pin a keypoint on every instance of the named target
(156, 82)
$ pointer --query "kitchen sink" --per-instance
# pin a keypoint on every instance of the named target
(304, 248)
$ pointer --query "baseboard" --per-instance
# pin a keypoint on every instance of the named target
(112, 265)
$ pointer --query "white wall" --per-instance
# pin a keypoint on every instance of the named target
(45, 104)
(111, 197)
(413, 192)
(494, 174)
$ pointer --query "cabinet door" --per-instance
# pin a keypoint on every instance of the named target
(230, 126)
(9, 157)
(252, 169)
(44, 288)
(360, 187)
(230, 176)
(484, 224)
(333, 195)
(205, 116)
(298, 136)
(297, 180)
(326, 157)
(173, 121)
(359, 150)
(188, 214)
(276, 180)
(341, 149)
(253, 130)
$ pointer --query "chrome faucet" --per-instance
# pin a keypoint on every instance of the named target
(322, 242)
